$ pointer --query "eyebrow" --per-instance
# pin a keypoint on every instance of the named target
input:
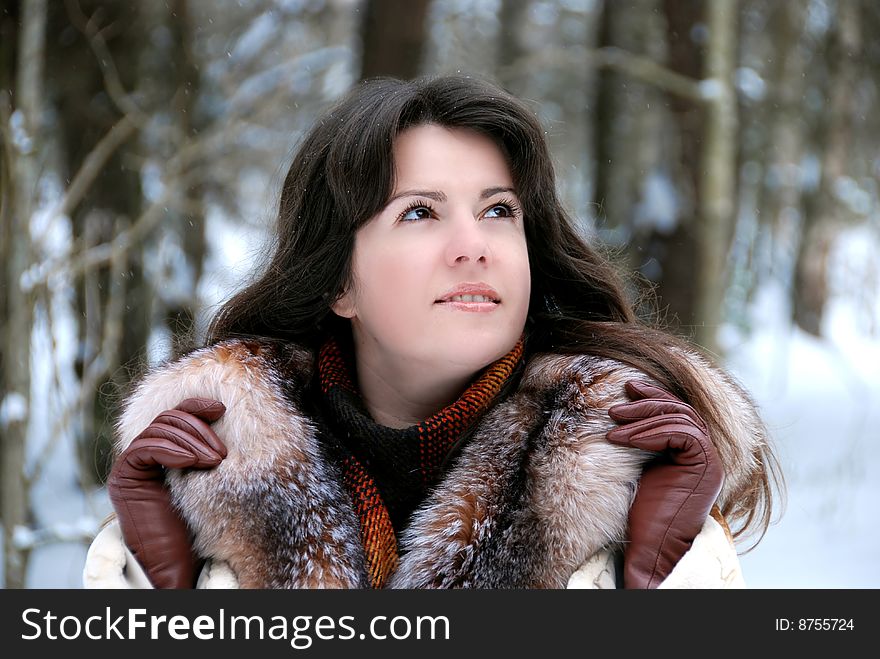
(436, 195)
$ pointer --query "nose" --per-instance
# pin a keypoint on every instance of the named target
(467, 242)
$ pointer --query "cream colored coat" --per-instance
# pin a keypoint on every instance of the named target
(710, 563)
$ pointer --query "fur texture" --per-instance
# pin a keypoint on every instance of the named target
(535, 492)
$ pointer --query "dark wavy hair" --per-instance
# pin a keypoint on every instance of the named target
(343, 174)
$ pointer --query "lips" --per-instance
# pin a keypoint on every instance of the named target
(470, 288)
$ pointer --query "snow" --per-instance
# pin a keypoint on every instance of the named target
(13, 409)
(168, 269)
(819, 17)
(543, 13)
(20, 138)
(820, 399)
(859, 200)
(659, 205)
(821, 404)
(711, 89)
(750, 83)
(262, 30)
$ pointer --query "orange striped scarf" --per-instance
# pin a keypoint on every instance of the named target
(386, 471)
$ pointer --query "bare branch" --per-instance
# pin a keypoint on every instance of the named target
(82, 530)
(182, 168)
(649, 72)
(102, 364)
(101, 254)
(94, 162)
(637, 67)
(106, 252)
(40, 274)
(113, 85)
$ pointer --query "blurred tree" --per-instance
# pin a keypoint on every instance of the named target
(393, 38)
(512, 16)
(824, 213)
(648, 134)
(681, 232)
(634, 146)
(604, 117)
(95, 55)
(189, 223)
(784, 138)
(9, 20)
(677, 250)
(717, 163)
(21, 147)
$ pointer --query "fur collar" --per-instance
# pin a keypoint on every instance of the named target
(534, 494)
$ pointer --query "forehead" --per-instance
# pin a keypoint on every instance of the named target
(431, 154)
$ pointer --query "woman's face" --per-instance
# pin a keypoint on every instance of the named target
(453, 227)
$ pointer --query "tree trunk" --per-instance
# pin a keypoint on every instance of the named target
(823, 217)
(180, 315)
(718, 184)
(90, 110)
(606, 111)
(510, 46)
(678, 249)
(673, 251)
(20, 305)
(781, 193)
(9, 20)
(392, 38)
(628, 133)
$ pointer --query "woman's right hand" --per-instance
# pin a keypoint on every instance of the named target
(153, 530)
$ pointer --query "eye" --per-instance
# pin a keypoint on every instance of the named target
(503, 209)
(416, 211)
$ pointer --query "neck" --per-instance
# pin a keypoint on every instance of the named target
(399, 397)
(401, 392)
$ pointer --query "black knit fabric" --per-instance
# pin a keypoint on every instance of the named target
(403, 463)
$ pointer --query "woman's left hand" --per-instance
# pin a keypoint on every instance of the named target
(676, 491)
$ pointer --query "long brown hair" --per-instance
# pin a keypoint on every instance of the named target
(343, 174)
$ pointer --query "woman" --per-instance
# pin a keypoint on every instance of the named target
(436, 382)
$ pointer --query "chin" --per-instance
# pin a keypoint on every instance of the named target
(473, 351)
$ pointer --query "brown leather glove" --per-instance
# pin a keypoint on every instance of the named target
(157, 536)
(676, 491)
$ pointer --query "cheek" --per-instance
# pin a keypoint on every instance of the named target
(392, 281)
(519, 269)
(402, 270)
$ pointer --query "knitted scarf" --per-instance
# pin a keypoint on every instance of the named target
(388, 471)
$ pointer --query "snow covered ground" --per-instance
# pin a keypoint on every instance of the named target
(821, 403)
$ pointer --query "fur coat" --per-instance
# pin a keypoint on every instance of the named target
(537, 498)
